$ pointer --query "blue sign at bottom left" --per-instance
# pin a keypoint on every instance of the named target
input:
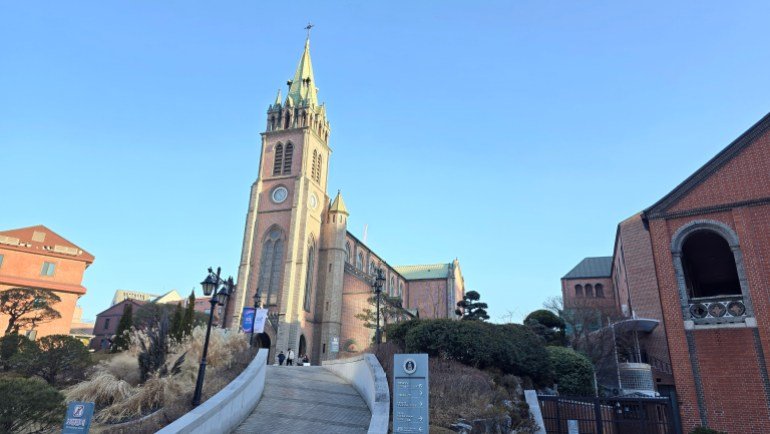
(78, 418)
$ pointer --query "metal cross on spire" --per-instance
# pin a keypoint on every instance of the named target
(308, 27)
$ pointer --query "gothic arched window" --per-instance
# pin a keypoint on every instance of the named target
(599, 288)
(589, 290)
(315, 162)
(287, 158)
(400, 289)
(578, 290)
(360, 261)
(278, 163)
(270, 266)
(309, 277)
(392, 290)
(372, 268)
(318, 170)
(347, 252)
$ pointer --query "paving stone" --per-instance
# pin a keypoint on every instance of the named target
(307, 399)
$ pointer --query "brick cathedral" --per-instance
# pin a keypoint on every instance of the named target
(690, 279)
(312, 274)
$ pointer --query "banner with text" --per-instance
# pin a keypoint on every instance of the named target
(259, 320)
(247, 319)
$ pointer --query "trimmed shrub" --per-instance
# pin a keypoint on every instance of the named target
(511, 348)
(58, 359)
(10, 345)
(396, 332)
(35, 406)
(573, 371)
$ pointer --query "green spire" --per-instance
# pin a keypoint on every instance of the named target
(278, 98)
(302, 89)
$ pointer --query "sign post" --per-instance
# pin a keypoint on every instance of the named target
(410, 393)
(78, 418)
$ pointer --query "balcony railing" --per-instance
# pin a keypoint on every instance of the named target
(717, 310)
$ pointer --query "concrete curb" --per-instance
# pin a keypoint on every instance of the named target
(366, 375)
(228, 408)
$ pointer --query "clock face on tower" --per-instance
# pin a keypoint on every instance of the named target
(313, 201)
(279, 194)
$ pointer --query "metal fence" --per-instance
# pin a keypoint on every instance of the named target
(607, 415)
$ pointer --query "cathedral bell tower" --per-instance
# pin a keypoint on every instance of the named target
(286, 209)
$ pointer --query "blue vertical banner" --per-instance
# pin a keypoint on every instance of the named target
(247, 319)
(78, 419)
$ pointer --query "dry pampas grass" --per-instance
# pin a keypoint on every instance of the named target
(115, 387)
(102, 388)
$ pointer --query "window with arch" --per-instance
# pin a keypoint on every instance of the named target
(400, 289)
(270, 267)
(313, 166)
(709, 266)
(578, 290)
(287, 158)
(392, 290)
(589, 290)
(318, 169)
(360, 261)
(347, 252)
(372, 268)
(309, 277)
(278, 163)
(599, 289)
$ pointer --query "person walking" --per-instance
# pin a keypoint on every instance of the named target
(281, 358)
(290, 358)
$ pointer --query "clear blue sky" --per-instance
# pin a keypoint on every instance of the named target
(512, 135)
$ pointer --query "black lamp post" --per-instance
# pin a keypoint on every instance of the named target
(257, 305)
(379, 281)
(214, 286)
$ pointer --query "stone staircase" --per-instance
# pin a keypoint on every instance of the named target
(307, 399)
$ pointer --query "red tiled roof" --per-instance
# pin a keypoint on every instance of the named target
(40, 239)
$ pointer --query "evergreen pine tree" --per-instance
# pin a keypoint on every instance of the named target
(122, 339)
(189, 315)
(177, 324)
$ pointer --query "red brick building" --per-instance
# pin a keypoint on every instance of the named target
(698, 262)
(37, 257)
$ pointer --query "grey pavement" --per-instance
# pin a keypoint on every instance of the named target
(307, 399)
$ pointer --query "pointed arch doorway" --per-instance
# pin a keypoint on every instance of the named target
(302, 346)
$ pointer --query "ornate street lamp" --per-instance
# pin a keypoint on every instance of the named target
(215, 287)
(379, 282)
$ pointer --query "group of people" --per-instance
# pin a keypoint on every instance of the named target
(289, 358)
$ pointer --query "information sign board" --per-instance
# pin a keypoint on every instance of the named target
(335, 344)
(78, 418)
(410, 393)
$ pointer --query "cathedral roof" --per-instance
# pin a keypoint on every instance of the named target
(423, 271)
(591, 267)
(302, 88)
(338, 205)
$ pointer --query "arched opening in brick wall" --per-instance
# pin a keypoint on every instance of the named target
(709, 266)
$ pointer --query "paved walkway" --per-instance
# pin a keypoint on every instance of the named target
(307, 399)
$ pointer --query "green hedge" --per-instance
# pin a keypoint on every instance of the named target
(29, 405)
(510, 348)
(573, 371)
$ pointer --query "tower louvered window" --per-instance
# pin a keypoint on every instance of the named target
(278, 159)
(287, 158)
(270, 266)
(315, 161)
(318, 170)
